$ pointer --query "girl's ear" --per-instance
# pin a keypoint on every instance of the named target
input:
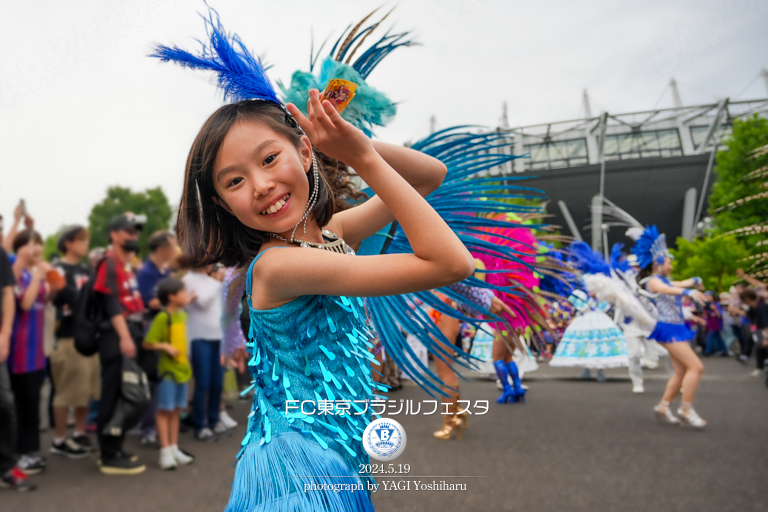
(222, 204)
(305, 151)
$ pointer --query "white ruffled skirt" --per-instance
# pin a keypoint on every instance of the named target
(594, 341)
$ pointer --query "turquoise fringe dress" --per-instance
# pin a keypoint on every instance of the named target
(314, 348)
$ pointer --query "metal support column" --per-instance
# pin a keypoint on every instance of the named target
(689, 210)
(569, 220)
(597, 222)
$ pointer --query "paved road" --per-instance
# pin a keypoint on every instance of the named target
(573, 446)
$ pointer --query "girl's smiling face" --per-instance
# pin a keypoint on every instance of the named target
(260, 177)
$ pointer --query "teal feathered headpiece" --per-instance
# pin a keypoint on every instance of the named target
(369, 107)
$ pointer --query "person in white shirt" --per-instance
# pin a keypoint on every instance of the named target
(204, 329)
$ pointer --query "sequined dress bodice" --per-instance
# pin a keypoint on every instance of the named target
(313, 350)
(670, 306)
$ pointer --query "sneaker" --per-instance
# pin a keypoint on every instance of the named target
(756, 373)
(130, 456)
(665, 415)
(123, 464)
(31, 464)
(227, 420)
(182, 458)
(206, 435)
(638, 388)
(221, 430)
(17, 480)
(85, 442)
(69, 448)
(150, 441)
(690, 417)
(743, 359)
(167, 460)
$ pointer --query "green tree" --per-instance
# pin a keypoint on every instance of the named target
(152, 202)
(714, 259)
(49, 246)
(730, 186)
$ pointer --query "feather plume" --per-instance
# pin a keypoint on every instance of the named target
(743, 200)
(240, 74)
(587, 261)
(369, 107)
(352, 33)
(757, 173)
(615, 292)
(635, 233)
(367, 33)
(618, 258)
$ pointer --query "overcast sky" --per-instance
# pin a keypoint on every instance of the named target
(83, 108)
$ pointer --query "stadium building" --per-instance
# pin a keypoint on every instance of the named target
(657, 165)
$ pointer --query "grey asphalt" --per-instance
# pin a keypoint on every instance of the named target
(573, 446)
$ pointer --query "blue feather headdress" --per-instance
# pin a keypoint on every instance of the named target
(618, 258)
(561, 282)
(651, 247)
(584, 259)
(240, 75)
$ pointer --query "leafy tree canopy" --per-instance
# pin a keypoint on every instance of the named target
(152, 202)
(713, 259)
(732, 165)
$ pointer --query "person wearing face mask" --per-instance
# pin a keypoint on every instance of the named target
(117, 290)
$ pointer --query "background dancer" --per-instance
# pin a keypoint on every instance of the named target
(656, 261)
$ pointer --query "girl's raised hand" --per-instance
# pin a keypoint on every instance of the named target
(331, 134)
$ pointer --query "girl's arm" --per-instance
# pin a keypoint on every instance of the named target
(658, 286)
(751, 280)
(423, 172)
(30, 294)
(687, 283)
(439, 258)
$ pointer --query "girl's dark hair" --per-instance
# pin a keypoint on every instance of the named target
(210, 234)
(23, 238)
(645, 272)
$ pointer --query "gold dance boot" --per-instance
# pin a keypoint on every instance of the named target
(451, 423)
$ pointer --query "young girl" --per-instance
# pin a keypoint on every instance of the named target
(26, 359)
(262, 177)
(249, 190)
(655, 260)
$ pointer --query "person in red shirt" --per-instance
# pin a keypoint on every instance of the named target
(117, 290)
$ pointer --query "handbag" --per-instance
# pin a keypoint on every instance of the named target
(133, 401)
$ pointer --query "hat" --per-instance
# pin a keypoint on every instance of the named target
(69, 234)
(126, 222)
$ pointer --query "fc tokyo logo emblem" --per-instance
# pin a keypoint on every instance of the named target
(384, 439)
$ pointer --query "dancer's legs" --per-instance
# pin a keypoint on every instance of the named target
(450, 329)
(505, 366)
(688, 370)
(500, 350)
(676, 381)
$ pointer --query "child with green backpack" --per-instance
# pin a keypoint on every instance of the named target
(167, 334)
